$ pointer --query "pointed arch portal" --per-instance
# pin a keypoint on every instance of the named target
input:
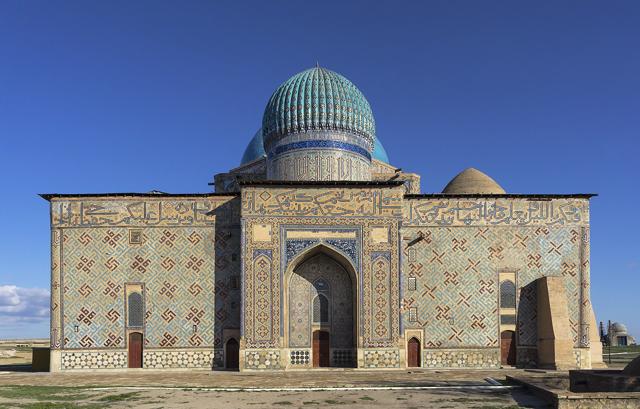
(321, 308)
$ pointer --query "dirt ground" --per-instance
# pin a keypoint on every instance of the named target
(35, 397)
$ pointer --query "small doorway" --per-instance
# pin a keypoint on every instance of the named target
(135, 350)
(321, 349)
(413, 353)
(232, 354)
(508, 348)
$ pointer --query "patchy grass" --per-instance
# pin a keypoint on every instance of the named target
(55, 405)
(121, 397)
(366, 398)
(333, 402)
(44, 393)
(283, 403)
(497, 407)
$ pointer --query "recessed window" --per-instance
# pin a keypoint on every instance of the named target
(507, 294)
(135, 310)
(411, 284)
(413, 314)
(508, 319)
(412, 255)
(320, 309)
(234, 282)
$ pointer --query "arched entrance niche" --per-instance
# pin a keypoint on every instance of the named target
(321, 317)
(232, 354)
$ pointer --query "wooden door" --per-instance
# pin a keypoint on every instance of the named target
(135, 350)
(232, 354)
(413, 353)
(508, 348)
(321, 349)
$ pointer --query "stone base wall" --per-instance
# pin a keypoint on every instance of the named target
(113, 359)
(163, 359)
(461, 358)
(582, 357)
(381, 358)
(151, 359)
(262, 359)
(526, 357)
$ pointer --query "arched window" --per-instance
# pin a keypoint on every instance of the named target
(507, 294)
(320, 309)
(135, 310)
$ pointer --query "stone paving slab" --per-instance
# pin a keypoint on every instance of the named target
(205, 379)
(554, 389)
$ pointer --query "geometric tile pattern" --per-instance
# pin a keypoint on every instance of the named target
(299, 357)
(94, 360)
(462, 358)
(188, 253)
(262, 359)
(382, 358)
(456, 269)
(381, 303)
(178, 359)
(185, 267)
(302, 292)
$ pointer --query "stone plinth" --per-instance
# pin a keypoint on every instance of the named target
(603, 381)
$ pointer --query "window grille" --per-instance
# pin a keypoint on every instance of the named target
(320, 309)
(136, 310)
(413, 314)
(508, 319)
(411, 284)
(412, 255)
(507, 294)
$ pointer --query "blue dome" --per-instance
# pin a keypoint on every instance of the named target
(255, 149)
(317, 99)
(379, 153)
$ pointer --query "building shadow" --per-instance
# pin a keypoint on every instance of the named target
(227, 285)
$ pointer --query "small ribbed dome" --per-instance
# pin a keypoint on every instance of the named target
(255, 149)
(618, 327)
(472, 181)
(379, 153)
(317, 99)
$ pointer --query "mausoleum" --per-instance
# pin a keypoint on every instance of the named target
(317, 251)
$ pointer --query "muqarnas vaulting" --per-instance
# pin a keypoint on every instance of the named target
(317, 252)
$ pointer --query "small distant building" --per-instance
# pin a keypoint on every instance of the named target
(618, 336)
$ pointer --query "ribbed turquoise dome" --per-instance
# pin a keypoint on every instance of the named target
(255, 149)
(317, 99)
(379, 153)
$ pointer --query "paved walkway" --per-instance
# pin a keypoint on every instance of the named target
(455, 389)
(309, 379)
(204, 379)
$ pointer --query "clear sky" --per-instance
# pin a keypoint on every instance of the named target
(130, 96)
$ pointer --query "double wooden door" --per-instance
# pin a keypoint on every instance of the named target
(321, 349)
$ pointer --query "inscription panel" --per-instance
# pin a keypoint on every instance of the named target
(496, 212)
(327, 202)
(143, 211)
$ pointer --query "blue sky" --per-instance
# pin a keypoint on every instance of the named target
(134, 96)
